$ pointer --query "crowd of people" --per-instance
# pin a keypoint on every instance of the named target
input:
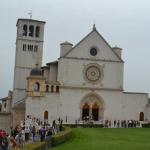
(122, 124)
(33, 129)
(112, 123)
(30, 130)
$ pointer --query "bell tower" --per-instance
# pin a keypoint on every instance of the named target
(29, 51)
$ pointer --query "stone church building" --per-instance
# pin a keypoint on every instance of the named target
(86, 80)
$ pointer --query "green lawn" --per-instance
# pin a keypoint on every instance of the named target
(107, 139)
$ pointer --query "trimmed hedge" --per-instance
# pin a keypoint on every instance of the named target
(146, 125)
(34, 146)
(56, 140)
(84, 125)
(61, 136)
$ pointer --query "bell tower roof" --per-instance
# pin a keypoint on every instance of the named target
(30, 20)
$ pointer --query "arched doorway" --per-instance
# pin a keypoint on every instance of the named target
(92, 105)
(85, 111)
(46, 115)
(95, 112)
(141, 117)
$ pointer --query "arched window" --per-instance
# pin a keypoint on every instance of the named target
(47, 88)
(37, 31)
(30, 47)
(25, 30)
(36, 87)
(46, 115)
(141, 117)
(31, 30)
(52, 88)
(24, 47)
(35, 48)
(57, 89)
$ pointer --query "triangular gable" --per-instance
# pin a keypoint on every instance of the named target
(80, 50)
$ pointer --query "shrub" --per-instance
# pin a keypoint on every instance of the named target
(61, 136)
(146, 125)
(85, 125)
(34, 146)
(56, 140)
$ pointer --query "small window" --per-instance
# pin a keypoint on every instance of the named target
(93, 51)
(47, 88)
(31, 30)
(57, 89)
(24, 47)
(35, 48)
(37, 31)
(24, 30)
(36, 87)
(28, 47)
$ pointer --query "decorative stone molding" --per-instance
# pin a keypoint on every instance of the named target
(91, 99)
(93, 73)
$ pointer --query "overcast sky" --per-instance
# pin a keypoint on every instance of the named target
(122, 23)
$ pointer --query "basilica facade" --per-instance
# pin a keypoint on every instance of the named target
(85, 82)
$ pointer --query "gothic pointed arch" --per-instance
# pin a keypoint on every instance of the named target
(96, 106)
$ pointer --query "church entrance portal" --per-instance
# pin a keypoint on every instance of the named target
(92, 108)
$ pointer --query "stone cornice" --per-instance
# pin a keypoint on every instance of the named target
(36, 77)
(135, 93)
(102, 60)
(30, 40)
(89, 88)
(5, 113)
(29, 20)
